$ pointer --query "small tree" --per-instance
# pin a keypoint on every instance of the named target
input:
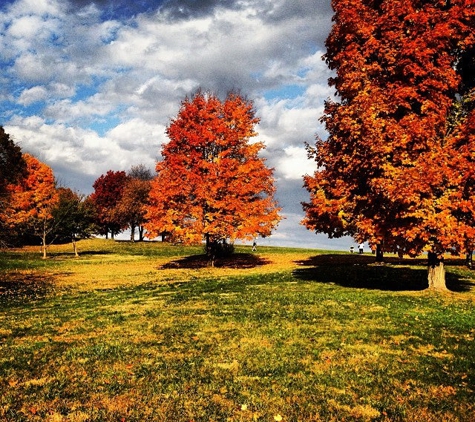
(107, 193)
(73, 216)
(32, 201)
(131, 208)
(212, 184)
(140, 172)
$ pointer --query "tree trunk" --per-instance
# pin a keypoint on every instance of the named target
(132, 233)
(379, 253)
(210, 250)
(75, 246)
(44, 245)
(469, 259)
(436, 272)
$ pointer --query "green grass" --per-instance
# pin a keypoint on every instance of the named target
(119, 334)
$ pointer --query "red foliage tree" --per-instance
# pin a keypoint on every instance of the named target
(211, 183)
(132, 206)
(389, 171)
(107, 193)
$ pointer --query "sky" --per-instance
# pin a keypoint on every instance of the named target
(89, 87)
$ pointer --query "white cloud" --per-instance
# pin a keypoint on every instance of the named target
(68, 111)
(32, 95)
(138, 134)
(40, 7)
(61, 90)
(294, 163)
(41, 93)
(25, 27)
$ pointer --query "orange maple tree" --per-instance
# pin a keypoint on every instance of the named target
(32, 200)
(211, 183)
(391, 171)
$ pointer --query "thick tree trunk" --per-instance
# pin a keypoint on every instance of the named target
(436, 272)
(210, 250)
(132, 233)
(437, 277)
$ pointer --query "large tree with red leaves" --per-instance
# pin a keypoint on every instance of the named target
(212, 184)
(396, 169)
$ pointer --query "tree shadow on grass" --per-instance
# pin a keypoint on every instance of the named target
(361, 271)
(238, 261)
(24, 286)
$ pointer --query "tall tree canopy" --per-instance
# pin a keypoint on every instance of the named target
(397, 167)
(12, 164)
(12, 168)
(211, 183)
(107, 193)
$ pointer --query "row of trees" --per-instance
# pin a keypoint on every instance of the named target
(120, 200)
(398, 167)
(211, 185)
(32, 207)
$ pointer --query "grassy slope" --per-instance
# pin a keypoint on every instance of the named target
(137, 332)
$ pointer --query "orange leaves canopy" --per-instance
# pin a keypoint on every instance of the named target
(211, 182)
(391, 169)
(33, 198)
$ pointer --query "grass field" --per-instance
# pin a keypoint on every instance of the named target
(148, 332)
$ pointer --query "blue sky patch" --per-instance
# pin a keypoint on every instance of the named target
(285, 92)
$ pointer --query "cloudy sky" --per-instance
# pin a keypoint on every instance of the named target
(90, 86)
